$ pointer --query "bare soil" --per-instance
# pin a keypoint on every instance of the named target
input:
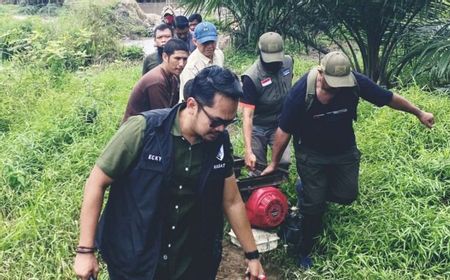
(233, 265)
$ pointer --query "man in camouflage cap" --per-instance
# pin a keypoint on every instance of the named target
(319, 111)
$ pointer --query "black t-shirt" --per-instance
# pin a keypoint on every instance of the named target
(327, 128)
(250, 93)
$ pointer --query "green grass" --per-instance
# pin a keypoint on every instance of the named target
(53, 125)
(53, 138)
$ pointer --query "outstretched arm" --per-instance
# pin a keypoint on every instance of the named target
(280, 143)
(400, 103)
(86, 265)
(234, 209)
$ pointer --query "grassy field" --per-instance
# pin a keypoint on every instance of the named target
(53, 125)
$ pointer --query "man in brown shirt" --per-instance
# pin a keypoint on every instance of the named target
(159, 88)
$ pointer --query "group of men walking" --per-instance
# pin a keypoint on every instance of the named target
(170, 165)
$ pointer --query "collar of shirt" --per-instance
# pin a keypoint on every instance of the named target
(203, 58)
(176, 129)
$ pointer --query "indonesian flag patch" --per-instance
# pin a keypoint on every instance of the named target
(265, 82)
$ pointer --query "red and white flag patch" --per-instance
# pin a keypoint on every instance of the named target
(265, 82)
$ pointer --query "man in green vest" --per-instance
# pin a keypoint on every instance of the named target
(266, 83)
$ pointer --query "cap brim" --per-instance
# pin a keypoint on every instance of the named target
(342, 81)
(272, 57)
(206, 39)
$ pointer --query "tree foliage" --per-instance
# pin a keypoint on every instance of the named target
(428, 60)
(367, 31)
(252, 17)
(36, 2)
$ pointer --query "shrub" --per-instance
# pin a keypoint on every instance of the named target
(132, 53)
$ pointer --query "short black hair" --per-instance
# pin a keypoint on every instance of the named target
(173, 45)
(162, 27)
(214, 80)
(197, 17)
(181, 22)
(188, 89)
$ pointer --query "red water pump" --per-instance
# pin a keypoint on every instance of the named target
(266, 207)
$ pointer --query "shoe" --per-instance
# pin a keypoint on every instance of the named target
(304, 262)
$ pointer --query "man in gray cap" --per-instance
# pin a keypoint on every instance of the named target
(206, 54)
(319, 111)
(266, 84)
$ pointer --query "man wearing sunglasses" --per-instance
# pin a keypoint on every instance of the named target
(170, 173)
(319, 111)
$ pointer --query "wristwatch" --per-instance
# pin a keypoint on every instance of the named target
(252, 255)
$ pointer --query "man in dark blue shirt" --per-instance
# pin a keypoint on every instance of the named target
(319, 112)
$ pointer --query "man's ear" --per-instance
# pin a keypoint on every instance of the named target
(165, 57)
(192, 105)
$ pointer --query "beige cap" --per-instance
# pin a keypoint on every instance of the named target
(271, 47)
(336, 70)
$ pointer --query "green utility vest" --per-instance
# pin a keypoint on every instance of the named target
(272, 88)
(311, 88)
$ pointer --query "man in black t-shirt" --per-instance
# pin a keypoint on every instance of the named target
(319, 113)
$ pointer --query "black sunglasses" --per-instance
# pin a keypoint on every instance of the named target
(214, 121)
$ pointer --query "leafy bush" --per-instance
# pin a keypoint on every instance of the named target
(80, 37)
(132, 53)
(427, 61)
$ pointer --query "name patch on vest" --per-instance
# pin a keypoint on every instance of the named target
(265, 82)
(154, 158)
(286, 72)
(219, 165)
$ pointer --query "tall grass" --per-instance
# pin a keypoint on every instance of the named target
(52, 140)
(52, 130)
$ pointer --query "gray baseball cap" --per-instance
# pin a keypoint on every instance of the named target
(271, 47)
(337, 70)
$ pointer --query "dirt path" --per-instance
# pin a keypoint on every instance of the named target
(233, 265)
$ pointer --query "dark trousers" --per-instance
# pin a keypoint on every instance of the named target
(325, 178)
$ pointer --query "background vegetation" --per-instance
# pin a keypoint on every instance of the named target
(64, 85)
(375, 34)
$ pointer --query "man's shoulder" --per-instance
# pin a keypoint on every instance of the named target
(218, 55)
(154, 118)
(250, 71)
(299, 88)
(151, 56)
(152, 77)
